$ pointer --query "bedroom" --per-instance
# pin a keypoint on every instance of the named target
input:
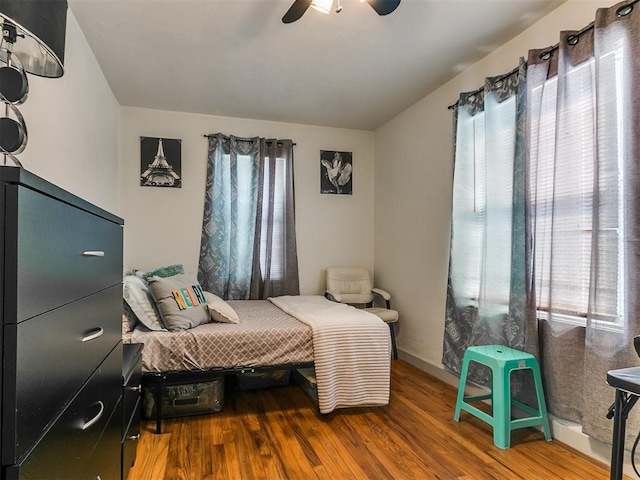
(397, 218)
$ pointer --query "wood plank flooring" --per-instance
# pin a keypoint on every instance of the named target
(278, 434)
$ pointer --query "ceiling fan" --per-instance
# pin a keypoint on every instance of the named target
(295, 12)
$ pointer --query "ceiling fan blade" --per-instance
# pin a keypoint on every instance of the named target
(384, 7)
(296, 11)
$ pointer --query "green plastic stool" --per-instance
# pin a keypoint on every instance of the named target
(502, 361)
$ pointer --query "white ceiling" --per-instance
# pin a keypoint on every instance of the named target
(236, 58)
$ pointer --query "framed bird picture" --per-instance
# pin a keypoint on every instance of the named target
(336, 172)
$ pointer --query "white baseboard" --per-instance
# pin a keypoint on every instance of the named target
(564, 431)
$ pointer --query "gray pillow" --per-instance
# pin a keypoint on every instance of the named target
(139, 298)
(180, 301)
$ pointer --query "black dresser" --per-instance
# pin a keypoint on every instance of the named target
(131, 404)
(61, 304)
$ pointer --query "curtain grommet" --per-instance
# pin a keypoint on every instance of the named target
(624, 10)
(573, 39)
(546, 55)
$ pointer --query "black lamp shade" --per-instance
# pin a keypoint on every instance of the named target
(43, 24)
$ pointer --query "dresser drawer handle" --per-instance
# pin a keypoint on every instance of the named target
(133, 437)
(95, 419)
(135, 388)
(93, 335)
(93, 253)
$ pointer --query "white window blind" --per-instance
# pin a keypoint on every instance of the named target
(563, 168)
(272, 248)
(468, 208)
(246, 204)
(482, 206)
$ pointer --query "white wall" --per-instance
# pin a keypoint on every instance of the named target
(163, 225)
(73, 126)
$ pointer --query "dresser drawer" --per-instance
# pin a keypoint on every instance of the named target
(132, 378)
(104, 464)
(51, 362)
(63, 254)
(130, 439)
(70, 444)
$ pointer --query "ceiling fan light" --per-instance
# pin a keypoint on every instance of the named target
(323, 6)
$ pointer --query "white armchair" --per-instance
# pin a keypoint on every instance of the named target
(353, 285)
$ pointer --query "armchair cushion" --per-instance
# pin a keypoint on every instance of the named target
(353, 284)
(385, 314)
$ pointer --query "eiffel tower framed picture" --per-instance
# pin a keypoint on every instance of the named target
(160, 162)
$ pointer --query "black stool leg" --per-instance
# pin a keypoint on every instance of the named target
(623, 404)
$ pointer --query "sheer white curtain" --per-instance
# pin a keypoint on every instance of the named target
(486, 298)
(582, 126)
(482, 217)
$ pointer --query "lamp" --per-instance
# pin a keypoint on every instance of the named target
(323, 6)
(33, 40)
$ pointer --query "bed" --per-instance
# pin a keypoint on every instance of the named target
(350, 349)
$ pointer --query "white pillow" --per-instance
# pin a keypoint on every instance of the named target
(138, 297)
(219, 310)
(129, 319)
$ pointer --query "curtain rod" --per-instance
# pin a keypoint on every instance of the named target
(571, 39)
(506, 75)
(622, 11)
(207, 135)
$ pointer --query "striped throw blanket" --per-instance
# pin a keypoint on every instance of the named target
(351, 351)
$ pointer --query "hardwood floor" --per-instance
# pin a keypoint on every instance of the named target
(277, 434)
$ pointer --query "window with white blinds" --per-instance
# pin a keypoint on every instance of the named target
(245, 214)
(273, 263)
(468, 217)
(570, 206)
(481, 243)
(245, 207)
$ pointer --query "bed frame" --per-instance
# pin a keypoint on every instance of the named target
(155, 380)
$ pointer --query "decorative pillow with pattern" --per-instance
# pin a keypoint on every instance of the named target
(168, 271)
(220, 310)
(139, 298)
(180, 301)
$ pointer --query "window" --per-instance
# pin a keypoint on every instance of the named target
(468, 208)
(563, 177)
(275, 242)
(245, 214)
(483, 206)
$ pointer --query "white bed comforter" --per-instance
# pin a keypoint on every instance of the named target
(351, 351)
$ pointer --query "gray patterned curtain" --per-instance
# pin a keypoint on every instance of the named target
(486, 296)
(248, 247)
